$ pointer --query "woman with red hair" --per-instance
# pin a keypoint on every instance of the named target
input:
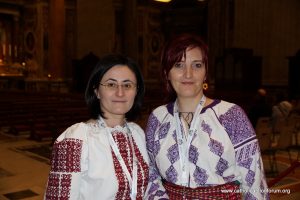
(199, 148)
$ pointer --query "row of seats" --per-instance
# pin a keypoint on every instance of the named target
(46, 115)
(40, 115)
(281, 135)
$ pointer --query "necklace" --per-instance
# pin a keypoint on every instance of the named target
(187, 117)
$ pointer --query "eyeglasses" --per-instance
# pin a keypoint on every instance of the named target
(115, 86)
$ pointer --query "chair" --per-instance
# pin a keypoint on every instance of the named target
(282, 142)
(264, 135)
(293, 122)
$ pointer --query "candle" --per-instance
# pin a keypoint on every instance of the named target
(16, 51)
(9, 49)
(3, 48)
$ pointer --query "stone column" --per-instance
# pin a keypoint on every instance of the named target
(16, 39)
(56, 38)
(131, 35)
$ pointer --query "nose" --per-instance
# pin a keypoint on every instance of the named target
(188, 71)
(120, 91)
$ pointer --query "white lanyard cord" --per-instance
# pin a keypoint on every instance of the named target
(132, 181)
(183, 145)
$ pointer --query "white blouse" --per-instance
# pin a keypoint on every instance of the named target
(84, 166)
(224, 149)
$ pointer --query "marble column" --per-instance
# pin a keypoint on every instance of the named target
(16, 39)
(131, 35)
(57, 38)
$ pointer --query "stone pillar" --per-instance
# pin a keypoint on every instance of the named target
(57, 38)
(16, 39)
(131, 32)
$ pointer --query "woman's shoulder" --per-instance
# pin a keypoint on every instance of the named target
(163, 109)
(136, 127)
(221, 106)
(77, 131)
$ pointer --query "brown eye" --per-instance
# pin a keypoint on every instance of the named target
(111, 85)
(197, 65)
(179, 65)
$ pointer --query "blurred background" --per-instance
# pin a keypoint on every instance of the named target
(49, 47)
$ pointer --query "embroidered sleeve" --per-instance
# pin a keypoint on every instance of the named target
(64, 178)
(247, 153)
(155, 190)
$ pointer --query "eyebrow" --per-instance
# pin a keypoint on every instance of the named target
(124, 81)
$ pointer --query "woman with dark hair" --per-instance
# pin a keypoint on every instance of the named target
(105, 157)
(199, 148)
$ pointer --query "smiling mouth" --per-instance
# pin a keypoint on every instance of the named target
(119, 101)
(187, 83)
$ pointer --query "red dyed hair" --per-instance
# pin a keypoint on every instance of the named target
(172, 53)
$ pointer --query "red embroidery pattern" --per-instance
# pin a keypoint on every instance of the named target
(66, 155)
(65, 186)
(142, 179)
(58, 186)
(52, 191)
(143, 173)
(124, 189)
(65, 160)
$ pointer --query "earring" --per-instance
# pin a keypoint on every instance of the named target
(205, 86)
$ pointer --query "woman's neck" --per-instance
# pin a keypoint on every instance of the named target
(115, 121)
(188, 104)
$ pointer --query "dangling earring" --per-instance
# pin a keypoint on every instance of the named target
(205, 86)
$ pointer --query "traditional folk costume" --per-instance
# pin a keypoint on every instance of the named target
(217, 158)
(93, 161)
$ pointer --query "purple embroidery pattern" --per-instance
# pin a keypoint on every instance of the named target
(221, 166)
(156, 148)
(174, 136)
(250, 178)
(171, 174)
(240, 153)
(206, 128)
(246, 163)
(163, 130)
(173, 154)
(259, 164)
(200, 176)
(254, 148)
(229, 178)
(153, 174)
(150, 132)
(153, 188)
(193, 154)
(216, 147)
(250, 196)
(236, 124)
(246, 151)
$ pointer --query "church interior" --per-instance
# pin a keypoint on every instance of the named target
(48, 49)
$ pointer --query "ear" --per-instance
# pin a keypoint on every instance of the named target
(96, 93)
(167, 76)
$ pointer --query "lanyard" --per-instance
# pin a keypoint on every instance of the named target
(132, 181)
(184, 145)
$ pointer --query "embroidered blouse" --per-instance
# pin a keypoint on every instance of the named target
(84, 166)
(224, 149)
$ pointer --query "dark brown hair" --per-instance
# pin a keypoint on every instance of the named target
(104, 64)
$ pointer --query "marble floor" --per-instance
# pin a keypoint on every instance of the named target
(24, 167)
(23, 174)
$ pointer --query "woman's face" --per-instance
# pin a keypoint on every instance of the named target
(117, 91)
(188, 75)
